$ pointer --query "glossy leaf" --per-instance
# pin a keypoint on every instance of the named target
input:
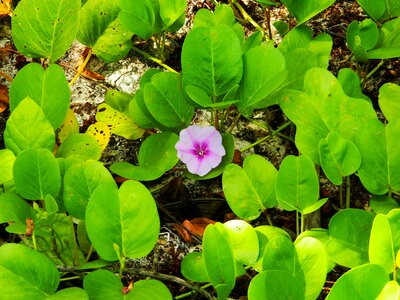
(381, 9)
(7, 159)
(362, 282)
(219, 259)
(349, 232)
(48, 88)
(193, 267)
(103, 284)
(339, 157)
(263, 72)
(157, 155)
(14, 209)
(39, 278)
(69, 126)
(389, 45)
(297, 185)
(391, 291)
(380, 156)
(45, 28)
(251, 189)
(383, 204)
(216, 66)
(351, 83)
(36, 174)
(27, 128)
(305, 10)
(72, 293)
(323, 107)
(172, 13)
(244, 241)
(80, 182)
(388, 103)
(275, 284)
(126, 218)
(166, 102)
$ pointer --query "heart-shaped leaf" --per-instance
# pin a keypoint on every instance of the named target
(388, 95)
(305, 10)
(126, 219)
(45, 28)
(48, 88)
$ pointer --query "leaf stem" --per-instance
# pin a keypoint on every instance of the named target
(373, 71)
(70, 278)
(81, 67)
(89, 253)
(347, 191)
(297, 223)
(266, 137)
(302, 223)
(188, 294)
(341, 196)
(247, 17)
(152, 58)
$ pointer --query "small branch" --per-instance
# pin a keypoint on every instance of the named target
(156, 60)
(247, 17)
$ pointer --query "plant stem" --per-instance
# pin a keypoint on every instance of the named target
(70, 278)
(302, 223)
(268, 218)
(262, 126)
(89, 253)
(34, 240)
(81, 67)
(297, 224)
(341, 196)
(234, 122)
(373, 71)
(247, 17)
(188, 294)
(156, 60)
(347, 191)
(266, 137)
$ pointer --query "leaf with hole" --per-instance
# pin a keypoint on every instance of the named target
(80, 146)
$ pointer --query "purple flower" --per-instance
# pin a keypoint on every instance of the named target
(200, 148)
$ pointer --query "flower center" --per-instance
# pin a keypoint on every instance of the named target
(200, 153)
(201, 150)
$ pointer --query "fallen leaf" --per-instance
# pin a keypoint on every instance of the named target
(4, 99)
(196, 226)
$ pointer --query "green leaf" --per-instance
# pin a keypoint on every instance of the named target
(27, 128)
(244, 241)
(297, 185)
(389, 44)
(80, 146)
(36, 174)
(157, 155)
(305, 10)
(313, 262)
(119, 122)
(139, 112)
(351, 83)
(382, 204)
(80, 181)
(118, 100)
(381, 9)
(72, 293)
(321, 108)
(216, 66)
(275, 284)
(315, 206)
(171, 12)
(48, 88)
(193, 267)
(219, 259)
(380, 156)
(360, 283)
(103, 284)
(263, 73)
(339, 157)
(7, 159)
(45, 28)
(391, 291)
(349, 231)
(165, 100)
(126, 218)
(140, 17)
(389, 93)
(252, 189)
(34, 280)
(14, 209)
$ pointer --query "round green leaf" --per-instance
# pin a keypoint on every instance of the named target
(360, 283)
(34, 280)
(171, 11)
(103, 284)
(166, 102)
(36, 174)
(81, 146)
(216, 66)
(349, 231)
(313, 262)
(48, 88)
(28, 127)
(382, 204)
(80, 181)
(391, 291)
(157, 155)
(193, 267)
(72, 293)
(275, 284)
(389, 45)
(14, 209)
(219, 258)
(388, 93)
(126, 218)
(297, 185)
(244, 241)
(339, 157)
(305, 10)
(45, 28)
